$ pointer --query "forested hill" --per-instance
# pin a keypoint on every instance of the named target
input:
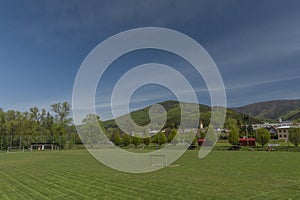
(141, 116)
(273, 110)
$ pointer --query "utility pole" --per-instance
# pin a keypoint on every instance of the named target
(20, 143)
(246, 119)
(256, 141)
(247, 135)
(60, 140)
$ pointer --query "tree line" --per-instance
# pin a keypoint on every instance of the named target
(37, 125)
(55, 126)
(21, 129)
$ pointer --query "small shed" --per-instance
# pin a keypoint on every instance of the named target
(43, 146)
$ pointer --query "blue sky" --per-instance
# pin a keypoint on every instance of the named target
(255, 44)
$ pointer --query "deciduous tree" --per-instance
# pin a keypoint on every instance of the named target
(263, 136)
(161, 138)
(172, 135)
(126, 139)
(136, 140)
(294, 136)
(233, 137)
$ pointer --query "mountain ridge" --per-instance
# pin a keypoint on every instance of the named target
(172, 107)
(272, 110)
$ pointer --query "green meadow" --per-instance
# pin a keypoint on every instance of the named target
(75, 174)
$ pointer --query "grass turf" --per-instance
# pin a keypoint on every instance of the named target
(221, 175)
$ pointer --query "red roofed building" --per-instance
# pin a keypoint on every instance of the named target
(247, 142)
(200, 141)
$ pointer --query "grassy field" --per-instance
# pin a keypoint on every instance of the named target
(221, 175)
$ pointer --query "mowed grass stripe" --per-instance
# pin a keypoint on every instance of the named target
(80, 184)
(131, 185)
(22, 184)
(116, 185)
(56, 188)
(67, 184)
(47, 189)
(8, 190)
(123, 181)
(21, 177)
(221, 175)
(16, 187)
(87, 187)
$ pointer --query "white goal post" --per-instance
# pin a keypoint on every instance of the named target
(158, 160)
(15, 149)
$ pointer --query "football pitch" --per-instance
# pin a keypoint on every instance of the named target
(75, 174)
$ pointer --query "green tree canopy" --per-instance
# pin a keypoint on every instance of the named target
(136, 140)
(62, 111)
(294, 136)
(233, 137)
(161, 138)
(172, 135)
(90, 130)
(126, 139)
(234, 132)
(147, 138)
(263, 136)
(116, 138)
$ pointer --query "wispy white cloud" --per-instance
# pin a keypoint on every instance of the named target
(261, 82)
